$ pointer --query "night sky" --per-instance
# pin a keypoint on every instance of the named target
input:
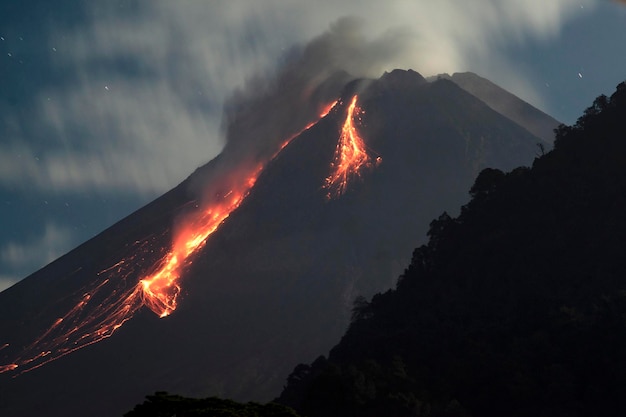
(106, 106)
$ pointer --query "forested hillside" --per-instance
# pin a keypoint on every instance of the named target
(517, 307)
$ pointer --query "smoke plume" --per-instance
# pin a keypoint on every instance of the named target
(270, 109)
(146, 83)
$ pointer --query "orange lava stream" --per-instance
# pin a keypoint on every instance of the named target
(350, 156)
(160, 290)
(100, 313)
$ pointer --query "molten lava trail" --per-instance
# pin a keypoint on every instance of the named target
(105, 307)
(350, 155)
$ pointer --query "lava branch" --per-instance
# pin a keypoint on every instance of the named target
(350, 155)
(160, 290)
(100, 313)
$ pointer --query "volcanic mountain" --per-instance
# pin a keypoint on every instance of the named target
(273, 285)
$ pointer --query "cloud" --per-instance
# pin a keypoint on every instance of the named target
(7, 281)
(24, 258)
(141, 103)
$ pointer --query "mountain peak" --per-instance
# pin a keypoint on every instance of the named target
(505, 103)
(399, 77)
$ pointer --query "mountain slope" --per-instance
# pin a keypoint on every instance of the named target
(514, 308)
(507, 104)
(273, 286)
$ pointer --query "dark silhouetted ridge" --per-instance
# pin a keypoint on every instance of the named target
(516, 307)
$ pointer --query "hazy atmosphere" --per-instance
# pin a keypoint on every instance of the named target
(107, 106)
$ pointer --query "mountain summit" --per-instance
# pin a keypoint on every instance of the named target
(274, 284)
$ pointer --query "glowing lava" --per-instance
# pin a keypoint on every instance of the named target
(350, 154)
(160, 290)
(99, 312)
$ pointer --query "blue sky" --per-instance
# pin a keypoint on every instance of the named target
(106, 106)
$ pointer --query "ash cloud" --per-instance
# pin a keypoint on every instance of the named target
(146, 80)
(268, 110)
(271, 108)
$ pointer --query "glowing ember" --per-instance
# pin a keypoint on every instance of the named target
(327, 109)
(98, 313)
(350, 155)
(9, 367)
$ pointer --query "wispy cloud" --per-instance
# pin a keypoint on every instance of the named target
(7, 281)
(23, 258)
(141, 105)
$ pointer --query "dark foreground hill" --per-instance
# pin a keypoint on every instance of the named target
(517, 307)
(274, 285)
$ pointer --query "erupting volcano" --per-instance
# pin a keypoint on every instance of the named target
(251, 265)
(96, 317)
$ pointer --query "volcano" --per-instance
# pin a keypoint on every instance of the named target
(274, 283)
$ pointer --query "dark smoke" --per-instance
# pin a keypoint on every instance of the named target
(260, 117)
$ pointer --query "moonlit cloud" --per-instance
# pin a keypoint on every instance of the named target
(46, 248)
(23, 258)
(141, 106)
(6, 281)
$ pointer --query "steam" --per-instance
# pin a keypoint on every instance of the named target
(270, 109)
(142, 106)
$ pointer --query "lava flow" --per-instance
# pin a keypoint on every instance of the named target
(350, 154)
(99, 313)
(160, 290)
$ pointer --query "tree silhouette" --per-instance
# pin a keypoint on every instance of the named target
(162, 404)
